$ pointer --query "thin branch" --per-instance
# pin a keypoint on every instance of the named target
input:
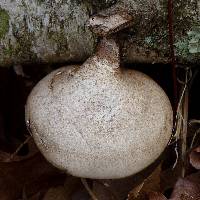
(194, 121)
(19, 148)
(184, 131)
(194, 137)
(181, 122)
(91, 193)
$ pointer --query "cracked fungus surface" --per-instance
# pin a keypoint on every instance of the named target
(95, 121)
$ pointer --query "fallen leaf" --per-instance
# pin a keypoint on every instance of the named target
(36, 196)
(151, 183)
(187, 188)
(56, 193)
(135, 192)
(156, 196)
(194, 158)
(71, 184)
(13, 157)
(33, 174)
(114, 189)
(169, 178)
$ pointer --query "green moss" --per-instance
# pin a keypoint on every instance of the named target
(22, 51)
(4, 23)
(8, 51)
(187, 42)
(60, 39)
(39, 2)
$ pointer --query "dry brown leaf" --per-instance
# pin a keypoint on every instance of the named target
(156, 196)
(194, 158)
(134, 193)
(71, 185)
(187, 188)
(56, 193)
(109, 189)
(152, 183)
(36, 196)
(33, 174)
(80, 194)
(169, 178)
(8, 157)
(120, 188)
(4, 156)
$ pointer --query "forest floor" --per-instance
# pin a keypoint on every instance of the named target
(26, 175)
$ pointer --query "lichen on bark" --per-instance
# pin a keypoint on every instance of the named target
(155, 36)
(46, 31)
(56, 31)
(4, 22)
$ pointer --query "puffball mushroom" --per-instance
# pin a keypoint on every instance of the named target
(99, 120)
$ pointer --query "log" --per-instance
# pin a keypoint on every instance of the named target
(45, 31)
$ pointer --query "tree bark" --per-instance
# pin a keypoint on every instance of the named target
(45, 31)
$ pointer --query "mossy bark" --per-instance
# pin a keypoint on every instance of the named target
(45, 31)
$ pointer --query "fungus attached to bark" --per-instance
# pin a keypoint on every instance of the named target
(99, 120)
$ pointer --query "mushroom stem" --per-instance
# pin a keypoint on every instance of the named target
(105, 24)
(109, 50)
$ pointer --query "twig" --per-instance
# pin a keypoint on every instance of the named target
(194, 121)
(184, 132)
(176, 151)
(91, 193)
(19, 148)
(181, 122)
(194, 137)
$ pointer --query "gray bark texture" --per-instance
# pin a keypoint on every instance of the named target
(46, 31)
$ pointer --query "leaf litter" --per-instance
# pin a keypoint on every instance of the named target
(26, 175)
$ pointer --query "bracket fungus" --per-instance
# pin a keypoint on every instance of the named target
(99, 120)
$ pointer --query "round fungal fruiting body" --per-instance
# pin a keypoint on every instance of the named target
(98, 120)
